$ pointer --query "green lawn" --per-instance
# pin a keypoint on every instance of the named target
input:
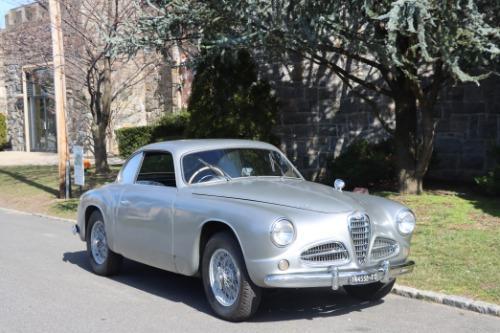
(456, 243)
(34, 189)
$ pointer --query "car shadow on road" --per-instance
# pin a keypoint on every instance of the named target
(277, 304)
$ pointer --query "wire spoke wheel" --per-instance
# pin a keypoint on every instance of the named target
(98, 242)
(230, 292)
(225, 277)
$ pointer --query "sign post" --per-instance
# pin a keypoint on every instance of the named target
(78, 166)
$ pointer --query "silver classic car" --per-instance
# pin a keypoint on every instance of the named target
(238, 214)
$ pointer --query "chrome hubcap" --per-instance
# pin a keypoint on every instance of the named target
(98, 243)
(224, 277)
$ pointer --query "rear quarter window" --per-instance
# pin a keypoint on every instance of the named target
(129, 170)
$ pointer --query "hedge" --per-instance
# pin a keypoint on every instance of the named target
(170, 127)
(3, 132)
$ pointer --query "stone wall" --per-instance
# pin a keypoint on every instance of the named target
(320, 118)
(3, 91)
(15, 107)
(469, 126)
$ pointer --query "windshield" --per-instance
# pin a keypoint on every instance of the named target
(235, 163)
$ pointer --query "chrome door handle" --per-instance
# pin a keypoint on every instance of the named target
(124, 202)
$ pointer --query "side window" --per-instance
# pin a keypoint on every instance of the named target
(157, 169)
(127, 174)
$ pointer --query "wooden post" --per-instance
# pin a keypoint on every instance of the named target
(59, 91)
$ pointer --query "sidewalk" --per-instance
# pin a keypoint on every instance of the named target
(12, 158)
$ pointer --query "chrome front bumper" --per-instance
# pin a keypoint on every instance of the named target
(335, 277)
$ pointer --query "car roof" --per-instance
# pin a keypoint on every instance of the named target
(180, 147)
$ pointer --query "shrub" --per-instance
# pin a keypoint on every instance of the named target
(490, 183)
(364, 164)
(169, 127)
(229, 101)
(130, 139)
(3, 132)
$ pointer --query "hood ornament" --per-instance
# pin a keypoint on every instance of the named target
(339, 184)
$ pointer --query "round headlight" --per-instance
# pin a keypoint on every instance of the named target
(282, 233)
(405, 221)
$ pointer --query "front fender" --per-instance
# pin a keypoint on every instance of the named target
(250, 222)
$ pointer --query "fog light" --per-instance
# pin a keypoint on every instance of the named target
(283, 264)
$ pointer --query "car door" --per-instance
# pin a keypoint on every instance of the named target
(144, 217)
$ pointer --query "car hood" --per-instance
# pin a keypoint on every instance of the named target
(293, 193)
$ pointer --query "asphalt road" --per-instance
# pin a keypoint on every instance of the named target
(46, 286)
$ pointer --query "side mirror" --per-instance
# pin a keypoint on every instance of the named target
(339, 184)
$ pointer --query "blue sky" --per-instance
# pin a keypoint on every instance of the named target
(5, 5)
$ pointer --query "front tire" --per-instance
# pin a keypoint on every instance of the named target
(370, 292)
(229, 290)
(103, 261)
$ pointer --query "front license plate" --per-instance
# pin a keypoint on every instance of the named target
(364, 278)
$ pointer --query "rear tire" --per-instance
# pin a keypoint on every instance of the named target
(103, 261)
(370, 292)
(230, 292)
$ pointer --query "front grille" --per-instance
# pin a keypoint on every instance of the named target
(359, 228)
(384, 248)
(326, 253)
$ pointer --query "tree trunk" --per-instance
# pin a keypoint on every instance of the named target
(414, 141)
(99, 130)
(428, 126)
(100, 152)
(405, 137)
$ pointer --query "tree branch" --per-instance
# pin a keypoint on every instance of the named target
(343, 73)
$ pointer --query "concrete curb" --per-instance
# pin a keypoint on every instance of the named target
(450, 300)
(62, 219)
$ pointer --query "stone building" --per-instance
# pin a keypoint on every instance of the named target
(26, 85)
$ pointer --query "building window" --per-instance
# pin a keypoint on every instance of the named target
(41, 110)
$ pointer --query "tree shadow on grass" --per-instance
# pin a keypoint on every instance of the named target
(488, 205)
(277, 305)
(470, 192)
(30, 182)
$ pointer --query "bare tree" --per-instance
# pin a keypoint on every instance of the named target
(92, 26)
(96, 77)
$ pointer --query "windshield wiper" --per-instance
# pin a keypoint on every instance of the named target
(215, 169)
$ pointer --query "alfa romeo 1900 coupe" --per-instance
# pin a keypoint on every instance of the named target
(238, 214)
